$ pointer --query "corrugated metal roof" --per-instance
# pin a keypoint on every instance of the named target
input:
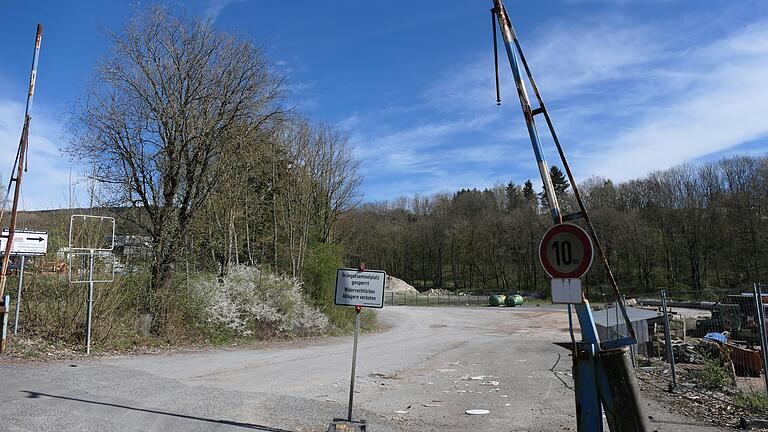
(607, 317)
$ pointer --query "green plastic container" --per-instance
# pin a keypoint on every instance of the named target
(497, 299)
(513, 300)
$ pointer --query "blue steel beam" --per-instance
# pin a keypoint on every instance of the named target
(508, 35)
(33, 74)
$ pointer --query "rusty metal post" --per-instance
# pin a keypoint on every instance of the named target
(620, 393)
(20, 166)
(611, 374)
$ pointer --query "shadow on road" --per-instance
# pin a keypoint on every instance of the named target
(36, 395)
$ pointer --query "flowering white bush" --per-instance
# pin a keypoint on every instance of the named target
(251, 300)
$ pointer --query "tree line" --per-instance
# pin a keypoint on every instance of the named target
(690, 227)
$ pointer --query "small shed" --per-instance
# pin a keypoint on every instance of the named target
(610, 325)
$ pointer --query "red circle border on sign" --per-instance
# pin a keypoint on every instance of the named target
(579, 232)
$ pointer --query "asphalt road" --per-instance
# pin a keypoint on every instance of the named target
(417, 376)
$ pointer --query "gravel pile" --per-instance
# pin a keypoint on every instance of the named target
(399, 286)
(436, 291)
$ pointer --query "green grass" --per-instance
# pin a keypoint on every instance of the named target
(757, 402)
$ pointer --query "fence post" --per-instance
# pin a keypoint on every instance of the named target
(761, 321)
(668, 342)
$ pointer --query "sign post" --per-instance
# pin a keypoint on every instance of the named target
(18, 296)
(91, 236)
(358, 309)
(25, 243)
(356, 287)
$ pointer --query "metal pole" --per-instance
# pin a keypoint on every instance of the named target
(508, 34)
(358, 309)
(763, 338)
(632, 346)
(4, 330)
(574, 186)
(668, 341)
(18, 296)
(90, 306)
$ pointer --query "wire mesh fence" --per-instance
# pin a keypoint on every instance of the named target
(706, 342)
(405, 299)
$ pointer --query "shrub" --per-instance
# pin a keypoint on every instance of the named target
(252, 301)
(714, 375)
(320, 272)
(320, 284)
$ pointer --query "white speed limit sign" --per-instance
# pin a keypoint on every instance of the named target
(566, 251)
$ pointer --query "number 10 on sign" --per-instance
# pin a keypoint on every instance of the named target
(566, 251)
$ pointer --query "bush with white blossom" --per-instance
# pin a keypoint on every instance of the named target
(252, 301)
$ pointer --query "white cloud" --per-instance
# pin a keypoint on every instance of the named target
(410, 149)
(630, 98)
(579, 58)
(215, 7)
(46, 183)
(722, 106)
(349, 123)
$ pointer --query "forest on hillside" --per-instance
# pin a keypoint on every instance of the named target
(690, 228)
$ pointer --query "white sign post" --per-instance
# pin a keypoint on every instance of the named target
(359, 288)
(90, 236)
(25, 243)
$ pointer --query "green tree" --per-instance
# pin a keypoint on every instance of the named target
(559, 184)
(529, 195)
(559, 181)
(514, 196)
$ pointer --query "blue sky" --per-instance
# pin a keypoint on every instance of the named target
(633, 86)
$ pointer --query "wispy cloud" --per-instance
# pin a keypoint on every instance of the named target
(215, 7)
(627, 97)
(717, 102)
(46, 184)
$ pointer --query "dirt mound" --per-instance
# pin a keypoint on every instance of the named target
(399, 286)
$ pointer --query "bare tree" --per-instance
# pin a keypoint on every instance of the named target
(339, 180)
(167, 102)
(296, 192)
(320, 184)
